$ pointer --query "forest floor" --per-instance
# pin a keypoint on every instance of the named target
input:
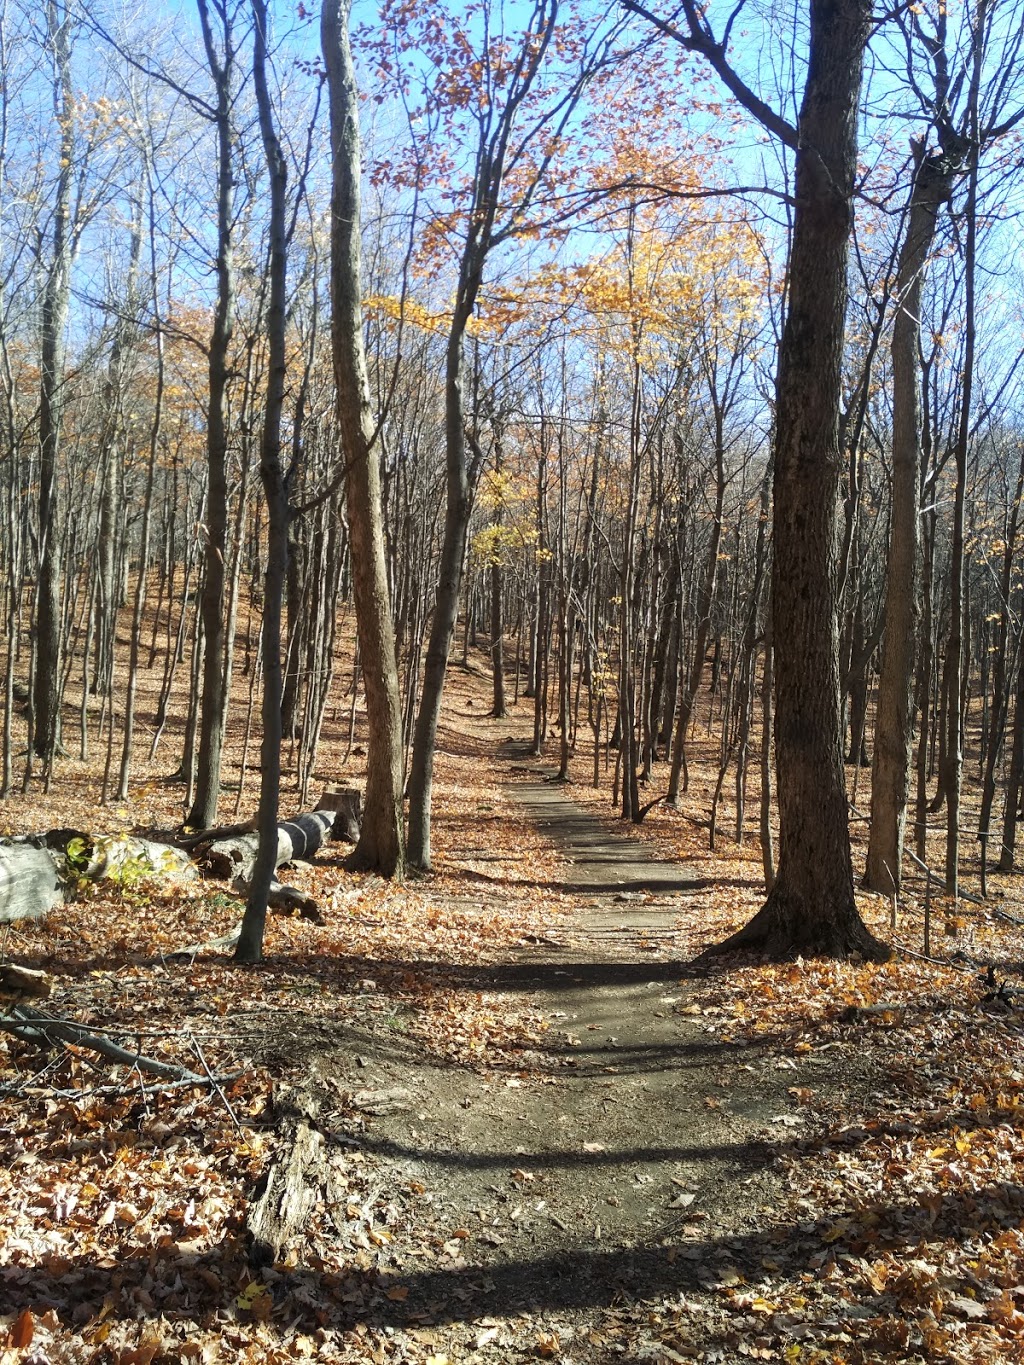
(551, 1134)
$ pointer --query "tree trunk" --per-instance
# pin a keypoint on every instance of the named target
(46, 690)
(704, 605)
(1000, 683)
(890, 776)
(811, 908)
(275, 488)
(381, 838)
(954, 758)
(1014, 778)
(211, 722)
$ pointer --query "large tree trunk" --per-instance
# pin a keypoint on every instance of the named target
(811, 908)
(381, 839)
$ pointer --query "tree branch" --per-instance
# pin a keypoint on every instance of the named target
(699, 38)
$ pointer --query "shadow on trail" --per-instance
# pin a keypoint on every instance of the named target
(742, 1157)
(194, 1287)
(498, 977)
(652, 885)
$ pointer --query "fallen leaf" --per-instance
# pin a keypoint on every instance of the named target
(23, 1330)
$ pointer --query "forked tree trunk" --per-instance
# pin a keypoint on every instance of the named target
(890, 776)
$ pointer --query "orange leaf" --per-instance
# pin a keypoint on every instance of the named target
(23, 1330)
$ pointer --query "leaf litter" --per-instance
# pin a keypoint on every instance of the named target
(881, 1219)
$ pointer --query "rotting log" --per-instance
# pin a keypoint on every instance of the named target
(235, 857)
(282, 897)
(117, 857)
(33, 870)
(289, 1188)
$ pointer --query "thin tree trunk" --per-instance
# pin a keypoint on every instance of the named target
(46, 689)
(275, 488)
(381, 839)
(203, 812)
(890, 775)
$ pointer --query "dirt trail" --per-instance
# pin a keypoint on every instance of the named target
(632, 1155)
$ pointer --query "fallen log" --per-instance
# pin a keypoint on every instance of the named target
(282, 897)
(236, 857)
(35, 870)
(122, 857)
(210, 836)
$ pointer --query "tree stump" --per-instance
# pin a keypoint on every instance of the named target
(347, 806)
(291, 1185)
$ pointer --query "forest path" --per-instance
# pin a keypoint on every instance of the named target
(630, 1154)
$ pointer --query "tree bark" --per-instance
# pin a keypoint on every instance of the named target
(275, 489)
(46, 690)
(1000, 682)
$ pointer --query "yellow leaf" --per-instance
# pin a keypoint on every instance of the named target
(249, 1295)
(760, 1305)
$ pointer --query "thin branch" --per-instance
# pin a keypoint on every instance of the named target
(700, 39)
(32, 1026)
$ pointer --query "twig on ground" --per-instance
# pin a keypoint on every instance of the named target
(216, 1084)
(212, 945)
(923, 957)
